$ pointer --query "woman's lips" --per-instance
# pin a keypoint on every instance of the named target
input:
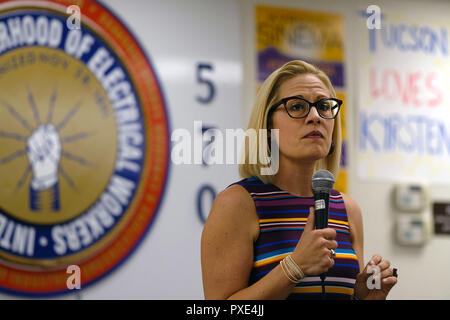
(314, 135)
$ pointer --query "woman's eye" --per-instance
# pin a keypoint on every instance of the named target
(297, 107)
(324, 106)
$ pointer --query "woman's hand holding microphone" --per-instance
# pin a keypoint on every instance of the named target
(315, 251)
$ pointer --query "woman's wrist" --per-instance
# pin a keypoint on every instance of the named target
(299, 262)
(291, 270)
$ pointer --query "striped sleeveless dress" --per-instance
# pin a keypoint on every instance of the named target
(282, 218)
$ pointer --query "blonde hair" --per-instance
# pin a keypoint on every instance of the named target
(267, 95)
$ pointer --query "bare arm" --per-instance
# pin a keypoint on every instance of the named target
(356, 227)
(227, 251)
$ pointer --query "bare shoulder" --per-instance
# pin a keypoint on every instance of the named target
(234, 207)
(234, 196)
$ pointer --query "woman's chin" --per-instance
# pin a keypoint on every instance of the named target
(314, 153)
(311, 156)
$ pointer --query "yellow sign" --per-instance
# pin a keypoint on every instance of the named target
(300, 33)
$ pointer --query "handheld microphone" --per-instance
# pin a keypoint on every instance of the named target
(322, 183)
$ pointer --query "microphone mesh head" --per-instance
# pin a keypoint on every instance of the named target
(322, 180)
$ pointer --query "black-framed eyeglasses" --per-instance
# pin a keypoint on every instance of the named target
(298, 107)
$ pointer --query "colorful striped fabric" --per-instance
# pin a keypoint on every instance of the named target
(282, 218)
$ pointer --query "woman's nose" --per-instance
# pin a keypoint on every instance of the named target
(313, 115)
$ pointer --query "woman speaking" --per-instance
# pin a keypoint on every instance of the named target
(259, 241)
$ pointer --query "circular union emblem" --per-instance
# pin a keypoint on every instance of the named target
(83, 145)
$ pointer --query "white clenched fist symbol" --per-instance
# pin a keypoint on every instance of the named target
(44, 153)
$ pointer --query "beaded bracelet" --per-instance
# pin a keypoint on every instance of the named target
(287, 272)
(291, 262)
(291, 270)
